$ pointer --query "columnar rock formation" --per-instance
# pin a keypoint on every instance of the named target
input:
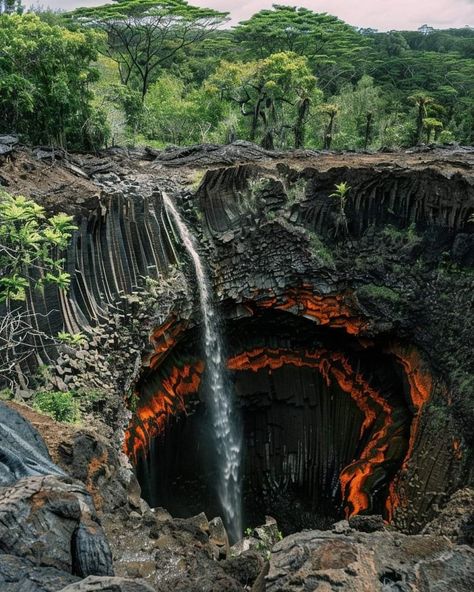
(351, 353)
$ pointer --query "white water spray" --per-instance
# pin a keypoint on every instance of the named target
(220, 400)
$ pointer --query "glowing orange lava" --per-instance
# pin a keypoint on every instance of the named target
(333, 310)
(420, 386)
(163, 339)
(150, 418)
(354, 477)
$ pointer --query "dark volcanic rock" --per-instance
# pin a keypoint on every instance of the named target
(366, 523)
(245, 568)
(214, 154)
(107, 584)
(19, 575)
(51, 521)
(323, 561)
(456, 519)
(22, 450)
(90, 459)
(46, 519)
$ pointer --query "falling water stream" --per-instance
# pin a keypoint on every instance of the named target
(220, 400)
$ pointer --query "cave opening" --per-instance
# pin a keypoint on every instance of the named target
(325, 423)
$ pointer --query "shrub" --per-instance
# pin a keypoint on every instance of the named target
(61, 406)
(379, 293)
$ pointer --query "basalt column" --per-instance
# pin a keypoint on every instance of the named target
(326, 424)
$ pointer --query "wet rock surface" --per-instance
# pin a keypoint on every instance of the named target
(178, 554)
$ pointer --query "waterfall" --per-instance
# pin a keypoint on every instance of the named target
(220, 399)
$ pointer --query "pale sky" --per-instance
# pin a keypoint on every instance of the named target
(379, 14)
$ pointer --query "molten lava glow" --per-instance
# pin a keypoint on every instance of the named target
(354, 477)
(420, 385)
(150, 418)
(163, 339)
(457, 450)
(331, 310)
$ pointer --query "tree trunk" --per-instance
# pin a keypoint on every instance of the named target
(328, 133)
(302, 111)
(368, 130)
(419, 123)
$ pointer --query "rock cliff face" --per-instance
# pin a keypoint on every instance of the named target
(349, 332)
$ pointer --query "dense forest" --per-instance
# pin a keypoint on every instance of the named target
(142, 72)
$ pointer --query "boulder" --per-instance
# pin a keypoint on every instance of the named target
(20, 575)
(456, 519)
(107, 584)
(367, 523)
(385, 561)
(51, 521)
(23, 452)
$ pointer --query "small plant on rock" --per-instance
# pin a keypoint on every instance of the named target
(341, 194)
(72, 339)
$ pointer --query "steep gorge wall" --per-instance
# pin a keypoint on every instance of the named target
(401, 282)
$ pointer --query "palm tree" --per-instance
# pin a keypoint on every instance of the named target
(331, 110)
(341, 193)
(421, 100)
(431, 124)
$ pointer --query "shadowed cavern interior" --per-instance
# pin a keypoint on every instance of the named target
(325, 420)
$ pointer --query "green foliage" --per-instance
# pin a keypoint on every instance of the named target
(286, 77)
(173, 115)
(45, 75)
(341, 193)
(273, 94)
(6, 394)
(379, 293)
(334, 49)
(11, 6)
(401, 236)
(61, 406)
(144, 36)
(28, 246)
(360, 110)
(320, 251)
(72, 339)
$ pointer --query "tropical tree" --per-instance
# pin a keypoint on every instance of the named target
(274, 94)
(11, 6)
(431, 124)
(360, 108)
(27, 241)
(176, 115)
(144, 36)
(421, 101)
(341, 193)
(331, 111)
(30, 247)
(334, 49)
(45, 76)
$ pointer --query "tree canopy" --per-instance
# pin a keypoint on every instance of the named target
(45, 77)
(164, 71)
(144, 35)
(333, 48)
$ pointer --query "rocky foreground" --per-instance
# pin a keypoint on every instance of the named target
(82, 527)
